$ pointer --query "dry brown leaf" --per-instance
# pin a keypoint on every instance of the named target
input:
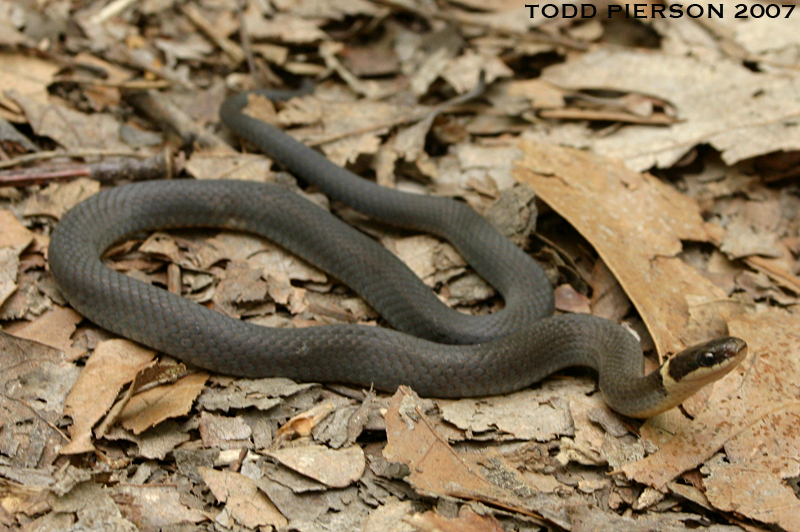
(430, 68)
(463, 72)
(337, 468)
(586, 518)
(11, 37)
(27, 301)
(608, 298)
(113, 364)
(53, 328)
(758, 490)
(636, 223)
(14, 235)
(347, 128)
(546, 415)
(467, 290)
(542, 95)
(773, 41)
(93, 504)
(777, 272)
(261, 394)
(755, 484)
(504, 15)
(155, 506)
(9, 269)
(57, 199)
(303, 423)
(714, 102)
(754, 418)
(371, 60)
(243, 501)
(437, 470)
(467, 521)
(335, 9)
(570, 300)
(224, 432)
(71, 129)
(155, 443)
(389, 517)
(285, 27)
(430, 259)
(242, 291)
(27, 75)
(34, 381)
(258, 253)
(163, 245)
(245, 167)
(491, 164)
(153, 406)
(14, 238)
(372, 89)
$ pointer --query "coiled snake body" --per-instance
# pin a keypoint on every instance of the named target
(440, 352)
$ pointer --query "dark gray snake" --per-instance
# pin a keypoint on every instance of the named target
(440, 352)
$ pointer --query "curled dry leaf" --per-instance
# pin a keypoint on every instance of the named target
(153, 406)
(302, 424)
(113, 364)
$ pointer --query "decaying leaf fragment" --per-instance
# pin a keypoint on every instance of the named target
(244, 502)
(436, 469)
(113, 364)
(467, 521)
(153, 406)
(336, 468)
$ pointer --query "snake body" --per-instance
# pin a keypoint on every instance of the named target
(436, 350)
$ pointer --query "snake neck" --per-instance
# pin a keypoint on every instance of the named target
(639, 396)
(581, 340)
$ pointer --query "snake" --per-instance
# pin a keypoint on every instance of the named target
(436, 350)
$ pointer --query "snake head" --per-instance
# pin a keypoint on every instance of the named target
(691, 369)
(707, 362)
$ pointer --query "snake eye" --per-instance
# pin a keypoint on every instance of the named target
(707, 359)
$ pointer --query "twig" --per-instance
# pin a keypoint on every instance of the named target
(160, 166)
(111, 10)
(233, 50)
(244, 39)
(137, 84)
(45, 155)
(163, 111)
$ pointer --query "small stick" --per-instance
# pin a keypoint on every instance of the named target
(163, 111)
(160, 166)
(233, 50)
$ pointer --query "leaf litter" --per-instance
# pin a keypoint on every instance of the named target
(96, 430)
